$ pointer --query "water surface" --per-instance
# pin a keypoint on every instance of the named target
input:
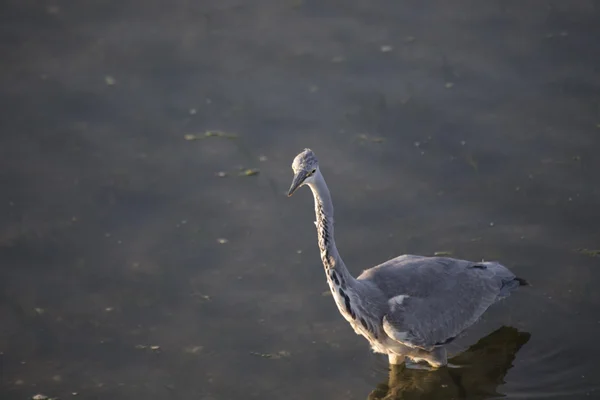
(131, 268)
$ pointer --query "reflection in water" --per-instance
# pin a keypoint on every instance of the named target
(483, 367)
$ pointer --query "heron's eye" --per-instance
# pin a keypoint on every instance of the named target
(313, 171)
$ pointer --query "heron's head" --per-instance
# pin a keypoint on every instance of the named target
(305, 167)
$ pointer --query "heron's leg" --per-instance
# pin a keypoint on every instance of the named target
(395, 359)
(412, 364)
(436, 359)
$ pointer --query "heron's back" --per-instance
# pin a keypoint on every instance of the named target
(433, 299)
(424, 277)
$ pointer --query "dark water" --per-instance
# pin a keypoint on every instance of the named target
(477, 132)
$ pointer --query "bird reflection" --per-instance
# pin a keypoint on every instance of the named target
(482, 368)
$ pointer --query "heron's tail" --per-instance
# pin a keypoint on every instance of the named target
(522, 282)
(512, 284)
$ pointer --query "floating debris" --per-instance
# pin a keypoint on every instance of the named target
(369, 138)
(109, 80)
(449, 85)
(442, 253)
(472, 162)
(39, 396)
(262, 158)
(313, 88)
(409, 39)
(202, 296)
(386, 48)
(337, 59)
(263, 355)
(555, 35)
(109, 309)
(193, 111)
(193, 349)
(221, 174)
(207, 134)
(144, 347)
(249, 172)
(219, 134)
(222, 240)
(275, 356)
(589, 252)
(39, 310)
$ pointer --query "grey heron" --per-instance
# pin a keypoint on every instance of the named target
(411, 306)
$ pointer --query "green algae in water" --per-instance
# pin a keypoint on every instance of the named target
(249, 172)
(588, 252)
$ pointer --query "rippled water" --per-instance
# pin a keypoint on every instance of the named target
(136, 263)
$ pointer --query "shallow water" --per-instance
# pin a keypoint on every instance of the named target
(130, 269)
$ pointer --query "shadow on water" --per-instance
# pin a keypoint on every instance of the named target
(483, 367)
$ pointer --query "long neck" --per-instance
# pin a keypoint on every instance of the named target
(334, 266)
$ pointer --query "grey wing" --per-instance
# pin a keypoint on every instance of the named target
(431, 300)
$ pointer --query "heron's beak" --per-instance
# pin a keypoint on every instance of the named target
(297, 182)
